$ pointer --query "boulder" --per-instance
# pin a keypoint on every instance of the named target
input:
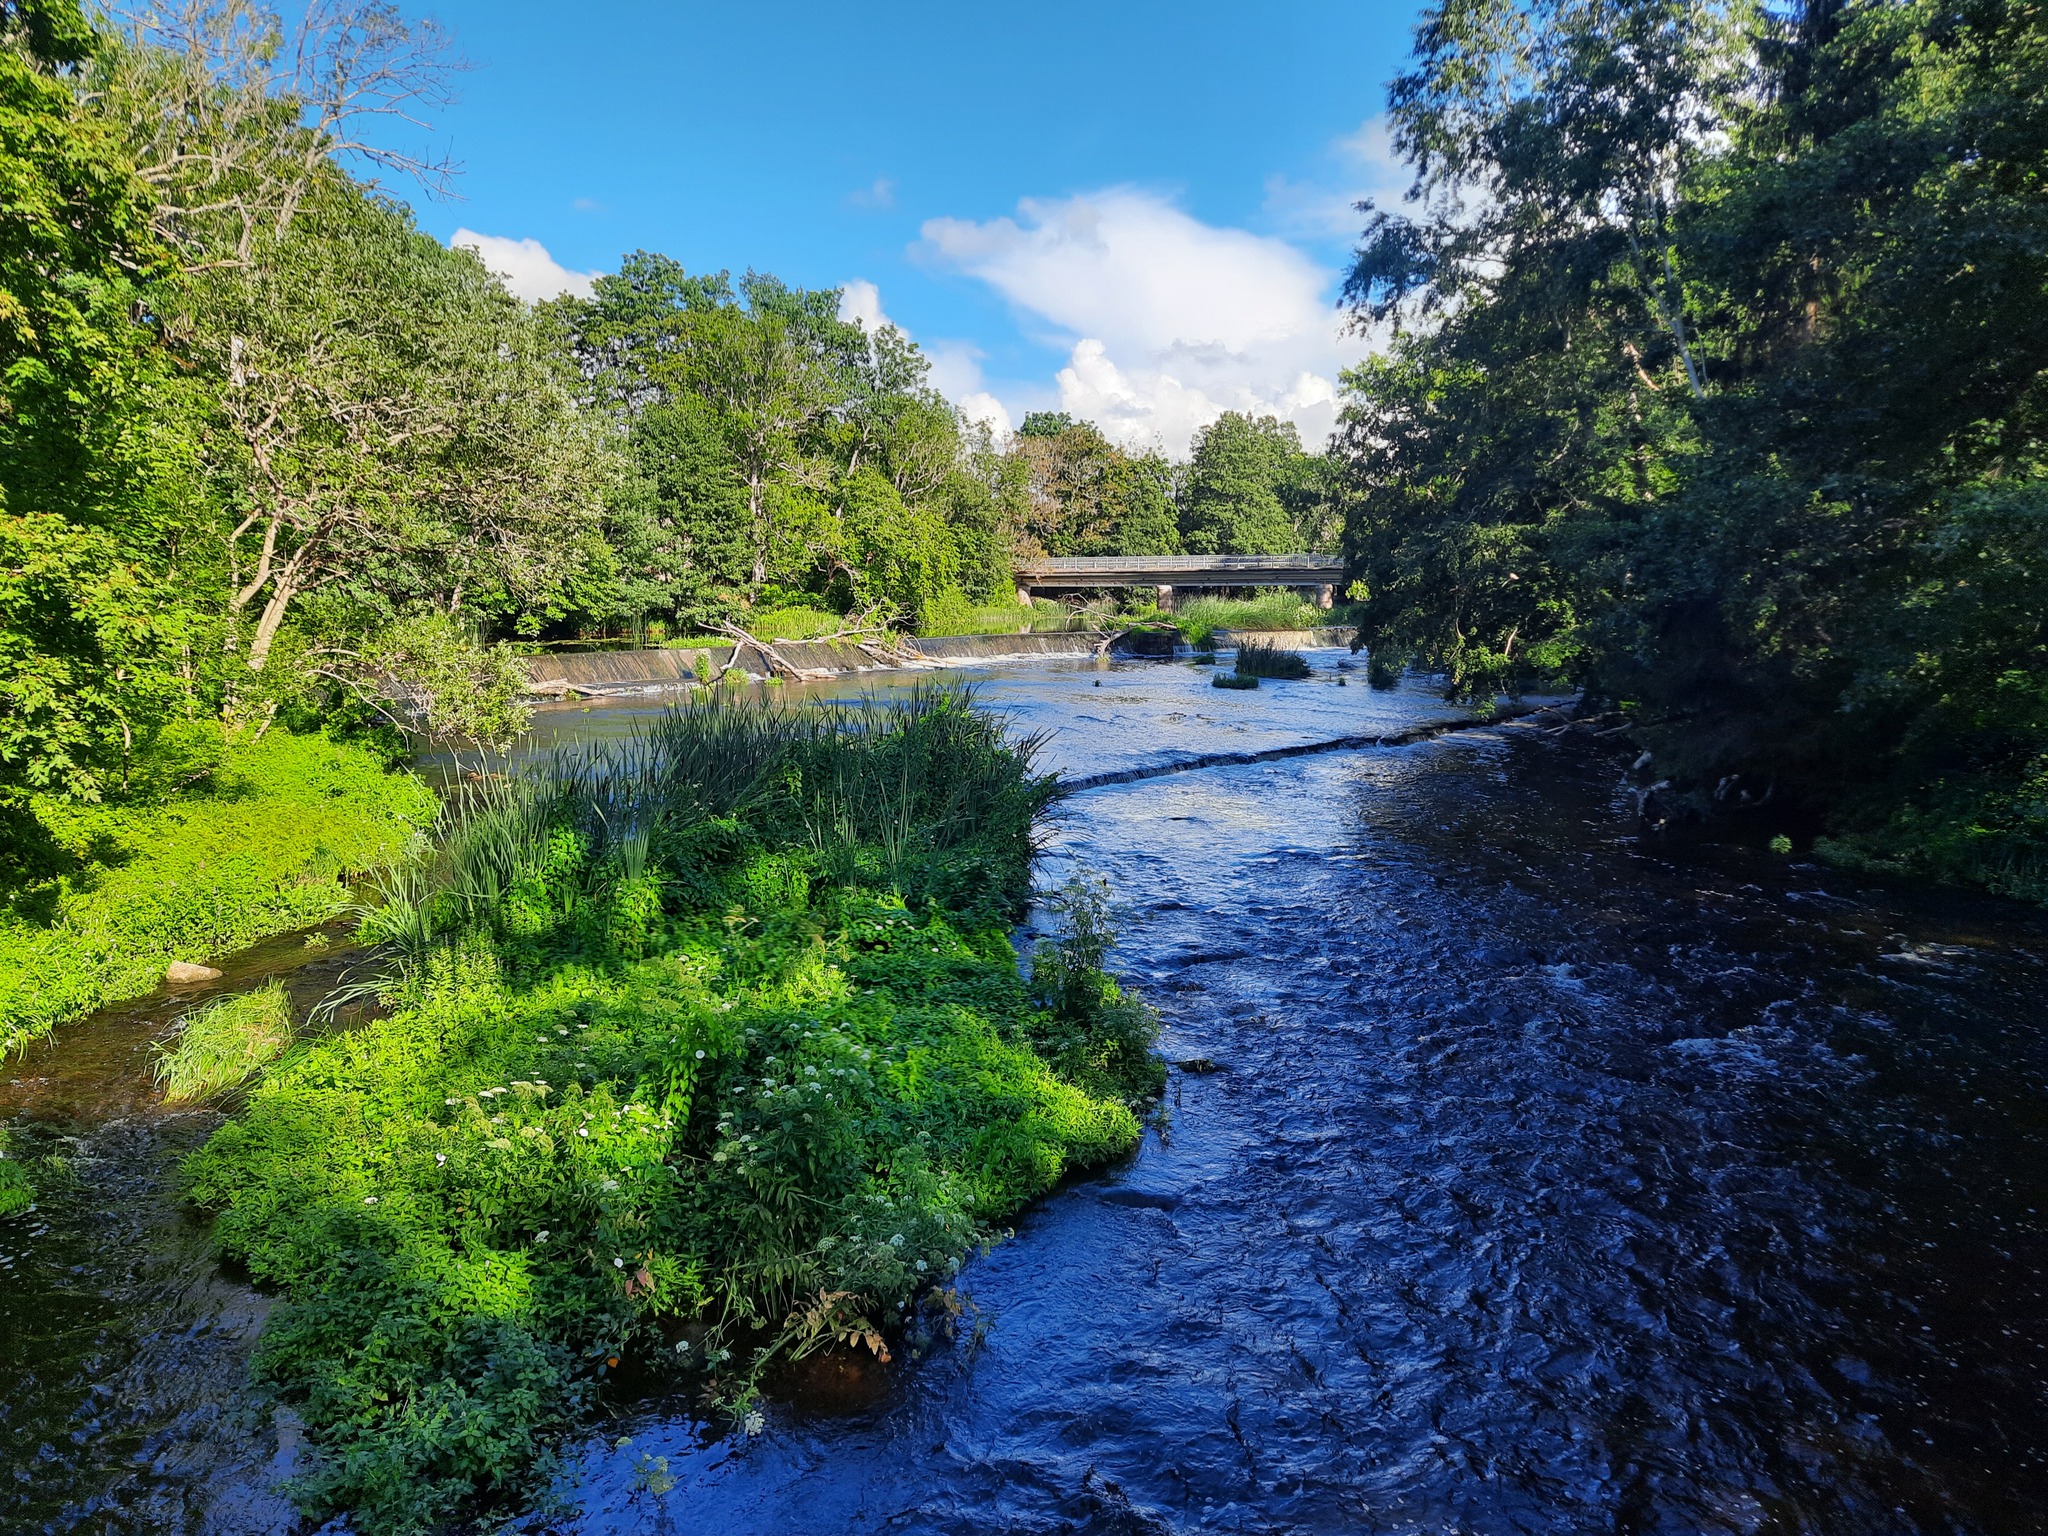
(184, 970)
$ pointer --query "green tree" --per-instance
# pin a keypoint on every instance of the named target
(1236, 478)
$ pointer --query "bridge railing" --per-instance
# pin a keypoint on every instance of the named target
(1182, 565)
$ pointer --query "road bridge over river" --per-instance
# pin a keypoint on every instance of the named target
(1315, 575)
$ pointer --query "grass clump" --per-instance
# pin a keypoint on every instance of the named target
(792, 624)
(1233, 680)
(701, 1053)
(224, 1044)
(264, 842)
(1257, 659)
(1200, 617)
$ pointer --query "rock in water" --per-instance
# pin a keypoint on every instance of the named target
(184, 970)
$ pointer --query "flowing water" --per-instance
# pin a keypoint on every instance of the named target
(1517, 1176)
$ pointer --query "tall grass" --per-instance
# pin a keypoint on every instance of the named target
(1257, 658)
(914, 790)
(1199, 618)
(225, 1044)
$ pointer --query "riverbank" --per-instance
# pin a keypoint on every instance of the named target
(266, 843)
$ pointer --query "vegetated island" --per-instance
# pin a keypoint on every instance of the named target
(699, 1055)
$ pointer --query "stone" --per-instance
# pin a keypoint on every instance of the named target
(184, 970)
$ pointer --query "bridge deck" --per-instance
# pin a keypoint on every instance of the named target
(1180, 570)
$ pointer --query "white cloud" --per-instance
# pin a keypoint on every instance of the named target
(525, 265)
(1169, 321)
(861, 300)
(879, 194)
(1368, 170)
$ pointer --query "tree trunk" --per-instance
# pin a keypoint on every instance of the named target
(268, 624)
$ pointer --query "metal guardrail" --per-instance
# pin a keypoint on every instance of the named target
(1118, 565)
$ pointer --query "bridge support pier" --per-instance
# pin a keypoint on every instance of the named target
(1326, 596)
(1023, 595)
(1165, 599)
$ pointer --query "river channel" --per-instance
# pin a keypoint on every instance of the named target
(1517, 1175)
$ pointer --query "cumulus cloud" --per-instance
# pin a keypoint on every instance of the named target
(1169, 321)
(525, 265)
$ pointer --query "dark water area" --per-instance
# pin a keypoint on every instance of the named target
(1521, 1176)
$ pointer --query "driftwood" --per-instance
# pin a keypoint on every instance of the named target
(882, 649)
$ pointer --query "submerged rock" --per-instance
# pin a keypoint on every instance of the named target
(184, 970)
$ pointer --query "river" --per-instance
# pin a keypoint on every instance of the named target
(1521, 1176)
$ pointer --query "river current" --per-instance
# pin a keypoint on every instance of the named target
(1517, 1175)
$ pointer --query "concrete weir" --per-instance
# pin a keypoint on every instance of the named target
(607, 672)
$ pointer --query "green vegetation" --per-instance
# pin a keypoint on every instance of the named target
(1199, 618)
(224, 1044)
(252, 840)
(1245, 680)
(16, 1192)
(1720, 387)
(1257, 659)
(701, 1053)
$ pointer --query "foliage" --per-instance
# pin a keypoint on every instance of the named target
(1252, 491)
(1199, 618)
(953, 613)
(1092, 1032)
(702, 1052)
(224, 1044)
(262, 841)
(1718, 388)
(1258, 659)
(1244, 680)
(17, 1193)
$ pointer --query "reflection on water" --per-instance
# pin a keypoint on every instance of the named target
(1534, 1180)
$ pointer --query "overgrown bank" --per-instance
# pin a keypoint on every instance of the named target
(260, 841)
(706, 1053)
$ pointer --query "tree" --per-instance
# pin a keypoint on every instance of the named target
(1240, 467)
(384, 399)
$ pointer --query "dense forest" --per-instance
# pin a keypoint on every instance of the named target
(1717, 386)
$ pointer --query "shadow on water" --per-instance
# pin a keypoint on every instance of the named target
(1521, 1178)
(123, 1348)
(1529, 1179)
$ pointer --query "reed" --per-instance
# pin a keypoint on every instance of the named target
(224, 1044)
(1256, 658)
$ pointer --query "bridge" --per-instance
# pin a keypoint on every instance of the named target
(1316, 575)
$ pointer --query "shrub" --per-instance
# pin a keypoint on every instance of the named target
(16, 1192)
(1255, 659)
(224, 1044)
(954, 613)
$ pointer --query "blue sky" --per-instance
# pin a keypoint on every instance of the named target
(1137, 211)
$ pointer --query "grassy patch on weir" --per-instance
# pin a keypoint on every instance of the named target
(701, 1053)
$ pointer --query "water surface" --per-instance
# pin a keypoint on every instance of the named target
(1524, 1178)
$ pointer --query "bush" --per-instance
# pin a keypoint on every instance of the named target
(224, 1044)
(1256, 659)
(265, 843)
(721, 1028)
